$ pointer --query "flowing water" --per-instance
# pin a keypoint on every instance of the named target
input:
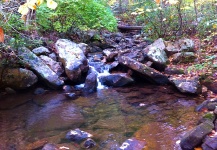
(158, 114)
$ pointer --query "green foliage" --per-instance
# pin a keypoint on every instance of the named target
(81, 14)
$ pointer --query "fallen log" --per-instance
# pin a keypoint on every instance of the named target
(127, 28)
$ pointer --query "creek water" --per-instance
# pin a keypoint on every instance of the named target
(158, 114)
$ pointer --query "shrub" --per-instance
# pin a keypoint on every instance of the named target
(81, 14)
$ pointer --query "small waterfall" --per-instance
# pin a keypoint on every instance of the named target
(104, 70)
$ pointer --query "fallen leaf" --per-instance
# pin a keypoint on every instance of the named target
(1, 35)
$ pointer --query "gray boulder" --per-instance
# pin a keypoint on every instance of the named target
(17, 78)
(184, 57)
(172, 47)
(41, 51)
(186, 44)
(73, 59)
(90, 84)
(149, 73)
(156, 52)
(116, 79)
(187, 84)
(55, 66)
(195, 136)
(32, 61)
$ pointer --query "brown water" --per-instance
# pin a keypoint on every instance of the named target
(158, 114)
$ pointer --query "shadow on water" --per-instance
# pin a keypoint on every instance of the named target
(158, 114)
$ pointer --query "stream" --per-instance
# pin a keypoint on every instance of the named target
(158, 114)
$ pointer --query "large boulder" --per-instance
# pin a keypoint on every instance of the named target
(149, 73)
(17, 78)
(29, 59)
(116, 79)
(54, 65)
(156, 53)
(187, 84)
(186, 44)
(73, 59)
(172, 47)
(90, 84)
(195, 136)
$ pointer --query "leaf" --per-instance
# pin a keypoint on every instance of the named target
(51, 4)
(1, 35)
(157, 1)
(23, 9)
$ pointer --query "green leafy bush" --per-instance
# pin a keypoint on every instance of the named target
(81, 14)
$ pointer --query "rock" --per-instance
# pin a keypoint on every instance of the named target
(17, 78)
(77, 135)
(39, 91)
(50, 146)
(211, 106)
(110, 53)
(208, 116)
(210, 143)
(71, 96)
(172, 47)
(173, 70)
(68, 88)
(184, 57)
(84, 47)
(187, 84)
(116, 79)
(90, 84)
(53, 56)
(40, 68)
(53, 65)
(156, 53)
(89, 143)
(10, 90)
(202, 106)
(186, 45)
(149, 73)
(134, 54)
(73, 59)
(133, 144)
(195, 136)
(40, 51)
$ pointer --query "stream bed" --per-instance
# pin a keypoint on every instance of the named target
(158, 114)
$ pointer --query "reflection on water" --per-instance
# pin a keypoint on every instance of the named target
(158, 114)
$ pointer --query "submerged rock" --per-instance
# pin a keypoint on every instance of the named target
(73, 59)
(133, 144)
(50, 146)
(149, 73)
(89, 143)
(40, 68)
(17, 78)
(116, 79)
(187, 84)
(195, 136)
(77, 135)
